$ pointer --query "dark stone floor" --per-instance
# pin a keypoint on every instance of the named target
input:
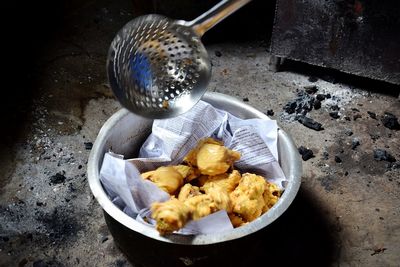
(347, 212)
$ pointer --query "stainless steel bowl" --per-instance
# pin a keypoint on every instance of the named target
(124, 133)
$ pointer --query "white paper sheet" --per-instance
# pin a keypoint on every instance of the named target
(171, 140)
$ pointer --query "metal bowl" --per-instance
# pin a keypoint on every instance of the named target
(124, 133)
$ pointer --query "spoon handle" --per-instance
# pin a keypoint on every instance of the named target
(216, 14)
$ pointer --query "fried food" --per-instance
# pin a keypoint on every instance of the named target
(271, 195)
(200, 206)
(236, 220)
(211, 157)
(244, 197)
(167, 178)
(225, 182)
(170, 215)
(221, 199)
(218, 188)
(191, 157)
(187, 172)
(187, 191)
(247, 198)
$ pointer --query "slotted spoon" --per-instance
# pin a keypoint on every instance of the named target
(158, 67)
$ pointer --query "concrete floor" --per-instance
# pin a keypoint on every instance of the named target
(347, 212)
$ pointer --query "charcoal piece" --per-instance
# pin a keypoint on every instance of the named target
(334, 107)
(290, 107)
(311, 89)
(383, 155)
(338, 159)
(374, 137)
(348, 132)
(355, 143)
(317, 104)
(305, 153)
(347, 118)
(301, 105)
(390, 121)
(218, 53)
(372, 115)
(270, 112)
(245, 99)
(328, 96)
(305, 103)
(58, 178)
(309, 123)
(88, 145)
(334, 114)
(320, 97)
(355, 109)
(395, 165)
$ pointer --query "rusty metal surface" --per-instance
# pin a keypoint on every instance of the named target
(360, 37)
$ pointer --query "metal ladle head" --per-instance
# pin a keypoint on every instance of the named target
(158, 67)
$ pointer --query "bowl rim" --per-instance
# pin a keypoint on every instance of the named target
(267, 218)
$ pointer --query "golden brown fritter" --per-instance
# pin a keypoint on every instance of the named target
(170, 215)
(218, 188)
(271, 195)
(203, 179)
(187, 172)
(244, 197)
(220, 198)
(236, 220)
(247, 198)
(200, 206)
(167, 178)
(211, 157)
(226, 182)
(191, 157)
(188, 191)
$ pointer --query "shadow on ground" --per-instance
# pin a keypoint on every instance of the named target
(336, 76)
(302, 236)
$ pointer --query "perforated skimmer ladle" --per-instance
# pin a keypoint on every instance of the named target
(158, 67)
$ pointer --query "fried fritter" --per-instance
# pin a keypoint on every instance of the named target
(170, 215)
(247, 198)
(218, 188)
(225, 182)
(220, 198)
(200, 206)
(187, 191)
(211, 157)
(271, 195)
(187, 172)
(236, 220)
(244, 197)
(167, 178)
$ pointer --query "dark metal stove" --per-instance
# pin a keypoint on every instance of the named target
(360, 37)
